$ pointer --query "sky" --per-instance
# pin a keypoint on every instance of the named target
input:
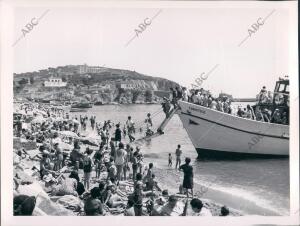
(180, 44)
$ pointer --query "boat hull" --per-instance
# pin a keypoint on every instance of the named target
(78, 110)
(82, 105)
(213, 132)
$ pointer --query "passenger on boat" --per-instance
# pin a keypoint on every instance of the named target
(240, 112)
(166, 106)
(209, 101)
(194, 97)
(285, 119)
(200, 98)
(250, 112)
(276, 118)
(190, 95)
(227, 106)
(270, 97)
(213, 104)
(266, 115)
(185, 95)
(174, 96)
(179, 93)
(205, 100)
(258, 115)
(263, 98)
(219, 106)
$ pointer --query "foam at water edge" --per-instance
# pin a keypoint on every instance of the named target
(246, 195)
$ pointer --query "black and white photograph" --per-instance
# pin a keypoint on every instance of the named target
(174, 109)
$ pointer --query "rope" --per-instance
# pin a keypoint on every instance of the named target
(152, 116)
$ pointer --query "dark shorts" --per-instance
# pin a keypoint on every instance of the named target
(188, 183)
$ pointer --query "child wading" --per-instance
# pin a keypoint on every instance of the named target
(130, 129)
(178, 156)
(170, 160)
(98, 161)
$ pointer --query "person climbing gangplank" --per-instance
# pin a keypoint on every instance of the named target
(149, 125)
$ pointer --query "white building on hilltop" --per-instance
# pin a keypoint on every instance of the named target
(83, 69)
(55, 82)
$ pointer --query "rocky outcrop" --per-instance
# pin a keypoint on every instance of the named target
(111, 85)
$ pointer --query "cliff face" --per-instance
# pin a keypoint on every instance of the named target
(110, 85)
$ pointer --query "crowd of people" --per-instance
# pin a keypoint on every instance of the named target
(262, 112)
(94, 171)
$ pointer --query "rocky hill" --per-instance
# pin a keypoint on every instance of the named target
(95, 84)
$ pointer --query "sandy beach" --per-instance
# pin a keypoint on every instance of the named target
(211, 194)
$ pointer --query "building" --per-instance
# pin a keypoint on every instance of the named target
(105, 86)
(83, 69)
(137, 85)
(55, 82)
(129, 86)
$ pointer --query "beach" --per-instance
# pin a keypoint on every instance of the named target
(215, 189)
(254, 187)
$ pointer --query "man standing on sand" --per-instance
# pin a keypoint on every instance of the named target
(120, 160)
(178, 156)
(87, 168)
(118, 134)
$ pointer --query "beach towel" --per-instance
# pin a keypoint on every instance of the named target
(70, 202)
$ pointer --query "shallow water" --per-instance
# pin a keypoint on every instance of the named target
(263, 182)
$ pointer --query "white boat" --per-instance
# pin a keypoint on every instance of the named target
(213, 132)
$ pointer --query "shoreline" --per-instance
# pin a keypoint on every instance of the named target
(165, 178)
(211, 195)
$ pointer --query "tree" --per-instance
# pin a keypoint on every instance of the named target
(135, 95)
(31, 80)
(23, 81)
(148, 96)
(85, 81)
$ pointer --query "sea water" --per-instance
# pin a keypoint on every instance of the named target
(247, 184)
